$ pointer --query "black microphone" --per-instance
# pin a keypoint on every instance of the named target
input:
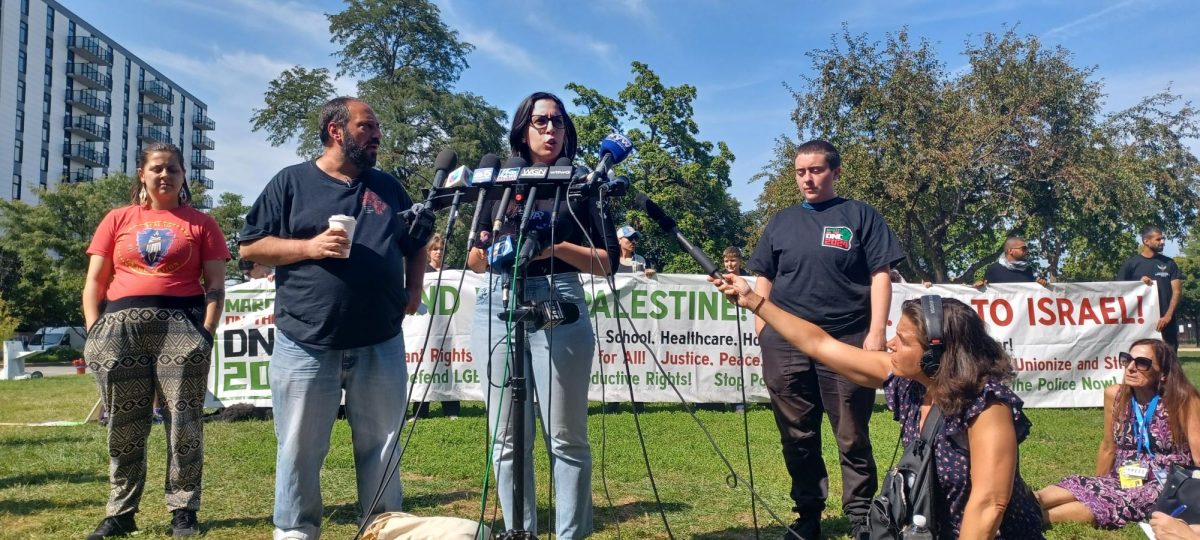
(668, 225)
(420, 216)
(617, 187)
(514, 164)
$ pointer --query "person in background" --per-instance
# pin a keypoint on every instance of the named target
(826, 260)
(1012, 266)
(152, 298)
(630, 261)
(980, 493)
(1150, 266)
(1151, 421)
(731, 259)
(339, 306)
(437, 252)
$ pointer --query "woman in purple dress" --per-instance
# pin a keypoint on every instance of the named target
(980, 493)
(1150, 422)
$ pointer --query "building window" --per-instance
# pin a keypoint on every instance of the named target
(18, 150)
(20, 61)
(45, 160)
(70, 28)
(24, 33)
(21, 92)
(48, 77)
(20, 120)
(46, 104)
(24, 7)
(49, 19)
(16, 192)
(45, 131)
(49, 49)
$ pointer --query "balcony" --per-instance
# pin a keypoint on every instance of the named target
(198, 176)
(82, 175)
(92, 128)
(91, 49)
(89, 154)
(203, 202)
(154, 114)
(89, 101)
(89, 75)
(202, 142)
(202, 121)
(150, 133)
(201, 162)
(156, 91)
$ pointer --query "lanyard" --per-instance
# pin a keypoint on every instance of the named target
(1141, 428)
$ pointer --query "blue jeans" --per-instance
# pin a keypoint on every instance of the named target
(306, 389)
(558, 365)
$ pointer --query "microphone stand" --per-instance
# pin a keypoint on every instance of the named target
(524, 314)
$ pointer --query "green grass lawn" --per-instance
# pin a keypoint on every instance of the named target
(53, 480)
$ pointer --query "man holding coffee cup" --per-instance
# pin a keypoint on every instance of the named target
(337, 311)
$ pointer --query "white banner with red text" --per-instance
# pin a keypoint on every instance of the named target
(1063, 339)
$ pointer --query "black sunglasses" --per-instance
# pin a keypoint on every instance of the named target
(1141, 363)
(540, 121)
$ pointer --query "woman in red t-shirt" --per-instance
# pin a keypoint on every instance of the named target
(152, 298)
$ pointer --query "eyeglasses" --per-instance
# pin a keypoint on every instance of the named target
(1141, 363)
(810, 170)
(541, 121)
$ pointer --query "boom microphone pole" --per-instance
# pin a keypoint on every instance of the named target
(668, 225)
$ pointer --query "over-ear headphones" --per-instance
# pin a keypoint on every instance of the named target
(931, 359)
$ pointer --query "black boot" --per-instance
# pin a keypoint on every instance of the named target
(183, 523)
(114, 526)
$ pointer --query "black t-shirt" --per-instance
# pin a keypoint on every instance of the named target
(565, 230)
(1161, 268)
(336, 303)
(820, 258)
(997, 273)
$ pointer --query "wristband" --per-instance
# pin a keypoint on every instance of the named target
(760, 304)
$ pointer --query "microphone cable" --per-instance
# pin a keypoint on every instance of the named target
(733, 477)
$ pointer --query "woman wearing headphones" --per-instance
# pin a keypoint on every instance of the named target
(961, 369)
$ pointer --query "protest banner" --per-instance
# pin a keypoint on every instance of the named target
(678, 330)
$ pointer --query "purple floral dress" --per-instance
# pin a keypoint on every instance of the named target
(952, 457)
(1113, 506)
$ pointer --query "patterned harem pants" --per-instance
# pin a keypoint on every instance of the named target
(136, 351)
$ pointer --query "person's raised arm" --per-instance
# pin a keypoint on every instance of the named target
(865, 368)
(95, 286)
(993, 441)
(275, 251)
(1106, 457)
(762, 287)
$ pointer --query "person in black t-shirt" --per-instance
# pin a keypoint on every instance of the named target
(558, 360)
(1012, 266)
(339, 304)
(826, 260)
(1151, 266)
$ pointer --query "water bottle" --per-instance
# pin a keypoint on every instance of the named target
(917, 530)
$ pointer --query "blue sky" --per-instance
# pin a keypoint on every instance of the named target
(739, 54)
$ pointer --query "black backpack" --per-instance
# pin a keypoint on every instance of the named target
(909, 488)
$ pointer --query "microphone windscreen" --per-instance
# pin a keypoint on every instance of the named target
(563, 161)
(656, 213)
(515, 161)
(489, 161)
(446, 160)
(570, 312)
(618, 145)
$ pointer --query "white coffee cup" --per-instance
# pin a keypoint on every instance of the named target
(344, 223)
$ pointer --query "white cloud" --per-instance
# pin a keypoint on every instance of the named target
(1066, 30)
(293, 18)
(489, 43)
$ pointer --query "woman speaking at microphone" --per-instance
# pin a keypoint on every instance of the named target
(557, 361)
(979, 492)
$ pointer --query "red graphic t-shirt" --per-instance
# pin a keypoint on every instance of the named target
(157, 252)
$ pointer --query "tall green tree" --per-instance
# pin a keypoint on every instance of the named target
(406, 61)
(48, 244)
(230, 215)
(687, 176)
(1012, 143)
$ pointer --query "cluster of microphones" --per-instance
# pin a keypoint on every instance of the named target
(490, 181)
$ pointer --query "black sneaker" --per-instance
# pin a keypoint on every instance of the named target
(183, 523)
(114, 526)
(803, 529)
